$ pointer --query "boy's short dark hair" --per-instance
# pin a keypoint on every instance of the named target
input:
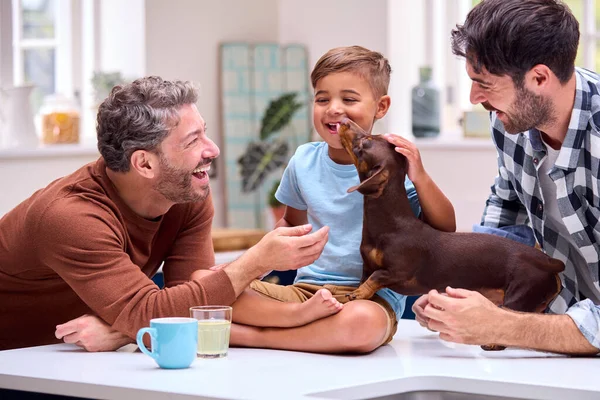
(371, 65)
(509, 37)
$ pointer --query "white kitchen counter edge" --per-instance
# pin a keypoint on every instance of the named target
(49, 151)
(415, 361)
(395, 387)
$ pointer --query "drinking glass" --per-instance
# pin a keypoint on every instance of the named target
(214, 327)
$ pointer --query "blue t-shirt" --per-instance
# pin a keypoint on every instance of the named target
(313, 182)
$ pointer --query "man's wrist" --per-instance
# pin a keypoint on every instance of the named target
(508, 324)
(542, 332)
(252, 263)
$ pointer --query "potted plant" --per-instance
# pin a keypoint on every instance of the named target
(103, 82)
(270, 153)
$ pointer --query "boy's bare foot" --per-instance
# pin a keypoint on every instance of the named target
(321, 305)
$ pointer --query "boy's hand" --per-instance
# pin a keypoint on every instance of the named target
(415, 172)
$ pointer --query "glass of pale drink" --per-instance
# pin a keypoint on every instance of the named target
(214, 326)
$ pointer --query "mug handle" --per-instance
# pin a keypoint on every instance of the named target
(140, 340)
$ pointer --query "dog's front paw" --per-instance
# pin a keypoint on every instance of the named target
(492, 347)
(351, 296)
(359, 294)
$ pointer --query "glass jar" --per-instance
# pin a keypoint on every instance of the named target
(425, 106)
(59, 120)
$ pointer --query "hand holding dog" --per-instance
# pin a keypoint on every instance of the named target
(462, 316)
(437, 209)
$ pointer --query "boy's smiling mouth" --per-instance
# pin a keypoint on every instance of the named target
(333, 127)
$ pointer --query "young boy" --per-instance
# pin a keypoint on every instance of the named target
(348, 82)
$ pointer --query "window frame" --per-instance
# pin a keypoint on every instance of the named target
(456, 81)
(589, 36)
(61, 43)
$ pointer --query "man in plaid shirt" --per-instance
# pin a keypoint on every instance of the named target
(545, 116)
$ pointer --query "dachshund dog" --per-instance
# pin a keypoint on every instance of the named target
(403, 253)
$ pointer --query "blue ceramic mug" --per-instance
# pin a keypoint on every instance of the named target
(174, 341)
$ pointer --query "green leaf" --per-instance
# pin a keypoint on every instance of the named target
(259, 160)
(278, 114)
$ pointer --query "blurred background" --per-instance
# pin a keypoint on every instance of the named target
(59, 58)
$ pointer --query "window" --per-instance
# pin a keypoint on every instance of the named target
(455, 80)
(587, 13)
(42, 47)
(56, 45)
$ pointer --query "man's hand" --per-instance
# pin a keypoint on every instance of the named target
(92, 334)
(462, 316)
(285, 248)
(418, 308)
(289, 248)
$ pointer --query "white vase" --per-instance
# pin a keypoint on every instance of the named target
(16, 119)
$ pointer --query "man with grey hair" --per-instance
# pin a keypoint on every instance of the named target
(84, 248)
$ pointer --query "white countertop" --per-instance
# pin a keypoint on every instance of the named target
(415, 361)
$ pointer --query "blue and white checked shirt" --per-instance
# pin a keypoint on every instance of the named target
(516, 197)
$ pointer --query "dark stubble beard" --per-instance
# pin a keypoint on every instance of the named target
(176, 184)
(529, 111)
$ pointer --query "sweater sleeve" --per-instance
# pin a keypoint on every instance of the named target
(192, 248)
(86, 248)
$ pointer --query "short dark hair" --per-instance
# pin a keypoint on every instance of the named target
(371, 65)
(509, 37)
(139, 116)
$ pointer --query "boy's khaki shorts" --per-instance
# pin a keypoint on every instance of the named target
(300, 292)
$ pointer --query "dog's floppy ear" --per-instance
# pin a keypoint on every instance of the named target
(374, 185)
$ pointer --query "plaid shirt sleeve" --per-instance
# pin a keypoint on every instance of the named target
(586, 316)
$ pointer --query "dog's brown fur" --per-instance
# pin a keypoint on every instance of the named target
(403, 253)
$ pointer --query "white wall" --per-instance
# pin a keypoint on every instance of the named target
(406, 52)
(464, 173)
(182, 41)
(122, 37)
(322, 25)
(24, 172)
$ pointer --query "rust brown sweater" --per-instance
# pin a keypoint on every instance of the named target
(74, 247)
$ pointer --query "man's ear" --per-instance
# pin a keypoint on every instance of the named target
(144, 163)
(383, 105)
(539, 78)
